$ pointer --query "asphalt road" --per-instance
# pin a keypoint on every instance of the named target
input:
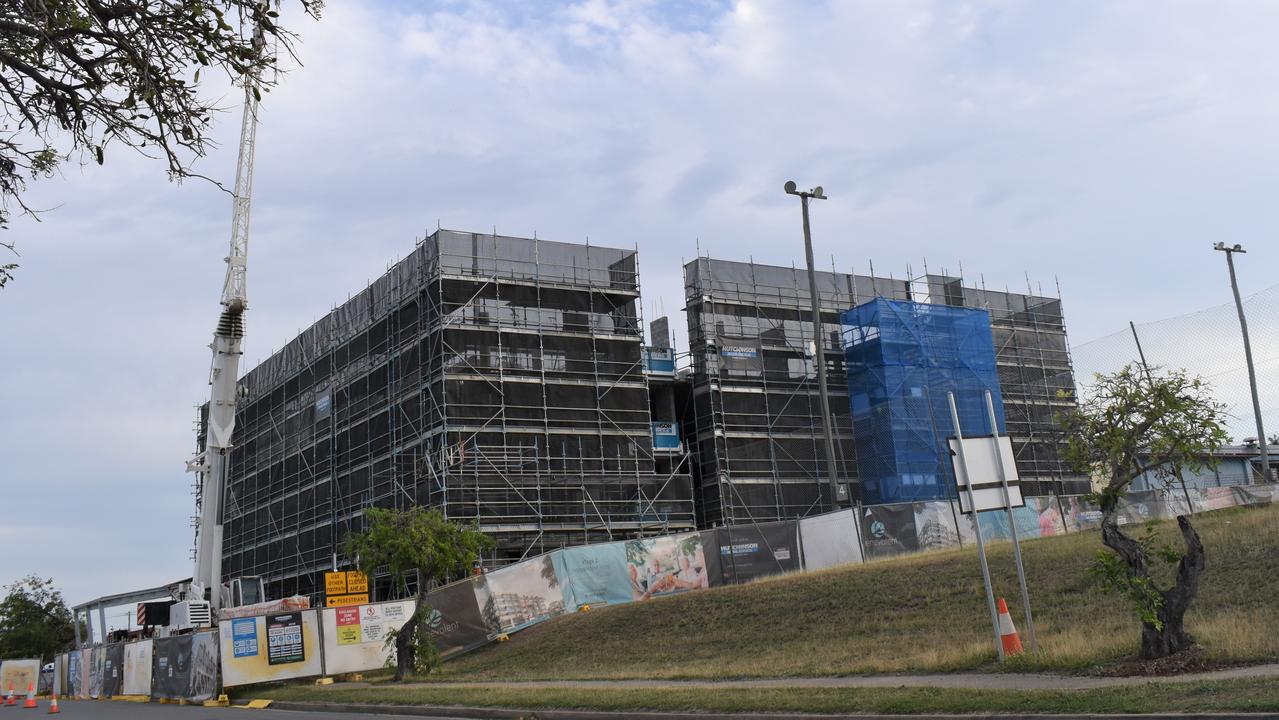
(111, 710)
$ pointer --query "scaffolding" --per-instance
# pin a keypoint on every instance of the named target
(500, 379)
(754, 428)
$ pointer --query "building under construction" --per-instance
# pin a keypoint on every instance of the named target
(503, 380)
(753, 423)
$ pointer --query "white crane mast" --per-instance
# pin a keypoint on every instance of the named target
(212, 463)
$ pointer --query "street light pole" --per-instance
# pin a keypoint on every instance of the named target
(819, 355)
(1247, 353)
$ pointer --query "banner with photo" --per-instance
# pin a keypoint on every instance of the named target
(829, 540)
(456, 620)
(113, 670)
(1140, 507)
(99, 661)
(1080, 514)
(994, 523)
(248, 654)
(935, 527)
(75, 686)
(1051, 521)
(710, 553)
(86, 672)
(203, 678)
(17, 673)
(888, 530)
(355, 636)
(665, 565)
(749, 552)
(593, 575)
(1219, 498)
(524, 593)
(1254, 494)
(137, 668)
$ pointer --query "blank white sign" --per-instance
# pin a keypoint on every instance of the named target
(983, 456)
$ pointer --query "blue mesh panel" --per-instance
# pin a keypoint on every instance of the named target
(902, 359)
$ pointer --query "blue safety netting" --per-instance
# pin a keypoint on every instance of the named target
(902, 359)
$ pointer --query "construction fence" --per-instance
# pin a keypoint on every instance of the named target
(482, 609)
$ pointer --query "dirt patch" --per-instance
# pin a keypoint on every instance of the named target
(1194, 660)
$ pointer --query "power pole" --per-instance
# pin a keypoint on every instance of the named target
(819, 355)
(1247, 353)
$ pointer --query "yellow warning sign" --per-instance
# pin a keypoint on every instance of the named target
(344, 600)
(335, 583)
(356, 582)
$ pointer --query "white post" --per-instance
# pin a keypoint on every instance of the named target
(981, 545)
(1012, 523)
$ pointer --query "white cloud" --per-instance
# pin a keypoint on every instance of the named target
(1108, 144)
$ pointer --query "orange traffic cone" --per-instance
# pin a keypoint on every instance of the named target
(9, 698)
(53, 706)
(1007, 631)
(31, 696)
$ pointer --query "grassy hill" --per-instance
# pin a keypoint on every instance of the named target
(921, 613)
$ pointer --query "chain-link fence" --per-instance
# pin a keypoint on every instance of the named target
(1209, 344)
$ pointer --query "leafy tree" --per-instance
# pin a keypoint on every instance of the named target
(416, 541)
(1129, 425)
(35, 621)
(77, 76)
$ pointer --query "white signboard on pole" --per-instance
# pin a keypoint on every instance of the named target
(982, 463)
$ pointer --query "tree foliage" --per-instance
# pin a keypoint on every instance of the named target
(415, 542)
(34, 621)
(1131, 424)
(79, 76)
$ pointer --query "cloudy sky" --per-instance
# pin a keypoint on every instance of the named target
(1104, 145)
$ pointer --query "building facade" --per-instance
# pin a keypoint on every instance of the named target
(499, 379)
(753, 422)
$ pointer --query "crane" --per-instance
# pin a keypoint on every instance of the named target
(212, 462)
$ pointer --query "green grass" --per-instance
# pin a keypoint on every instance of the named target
(1240, 695)
(921, 613)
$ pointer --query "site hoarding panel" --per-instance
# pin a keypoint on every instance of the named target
(710, 552)
(203, 678)
(171, 669)
(60, 675)
(1080, 514)
(74, 686)
(935, 527)
(456, 618)
(355, 637)
(99, 661)
(16, 673)
(524, 593)
(888, 530)
(297, 651)
(86, 671)
(665, 565)
(749, 552)
(1051, 521)
(1254, 494)
(137, 668)
(1219, 498)
(829, 540)
(113, 670)
(994, 523)
(593, 575)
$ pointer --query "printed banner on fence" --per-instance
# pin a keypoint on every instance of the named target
(1051, 521)
(456, 620)
(74, 683)
(86, 672)
(525, 593)
(17, 673)
(113, 671)
(710, 552)
(593, 575)
(284, 643)
(935, 527)
(137, 668)
(1218, 498)
(355, 637)
(748, 552)
(245, 669)
(665, 565)
(830, 539)
(1080, 514)
(99, 656)
(994, 523)
(186, 666)
(888, 530)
